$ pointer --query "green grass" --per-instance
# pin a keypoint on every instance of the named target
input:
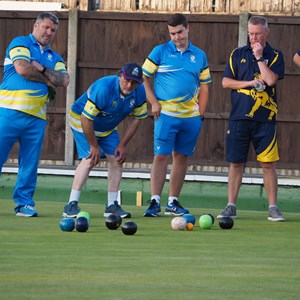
(257, 259)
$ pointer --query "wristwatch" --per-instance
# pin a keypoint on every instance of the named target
(44, 70)
(202, 118)
(261, 59)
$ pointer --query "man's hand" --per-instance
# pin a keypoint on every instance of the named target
(257, 50)
(156, 108)
(120, 154)
(94, 156)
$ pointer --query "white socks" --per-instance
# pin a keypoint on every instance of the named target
(112, 197)
(156, 198)
(171, 199)
(270, 206)
(74, 195)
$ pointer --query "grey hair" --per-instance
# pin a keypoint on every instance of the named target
(256, 20)
(47, 15)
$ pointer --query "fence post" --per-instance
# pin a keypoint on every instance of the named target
(243, 29)
(71, 90)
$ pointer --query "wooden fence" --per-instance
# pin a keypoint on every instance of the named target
(96, 44)
(271, 7)
(282, 7)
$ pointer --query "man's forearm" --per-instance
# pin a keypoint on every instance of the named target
(88, 130)
(29, 71)
(57, 78)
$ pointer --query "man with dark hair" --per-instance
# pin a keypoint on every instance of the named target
(178, 102)
(94, 118)
(32, 70)
(177, 19)
(252, 73)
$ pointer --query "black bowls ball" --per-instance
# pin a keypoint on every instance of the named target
(129, 228)
(81, 224)
(113, 222)
(226, 223)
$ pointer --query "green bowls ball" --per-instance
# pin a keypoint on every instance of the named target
(205, 221)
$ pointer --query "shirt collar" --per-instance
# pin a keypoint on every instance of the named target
(174, 48)
(34, 41)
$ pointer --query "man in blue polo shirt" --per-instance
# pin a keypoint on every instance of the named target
(94, 118)
(252, 73)
(32, 71)
(178, 102)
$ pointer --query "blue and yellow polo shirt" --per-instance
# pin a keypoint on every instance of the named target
(249, 103)
(19, 93)
(177, 78)
(103, 104)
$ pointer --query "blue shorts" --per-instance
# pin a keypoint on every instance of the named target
(262, 135)
(176, 134)
(107, 144)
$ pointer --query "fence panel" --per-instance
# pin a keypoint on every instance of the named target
(282, 7)
(124, 5)
(164, 6)
(107, 40)
(269, 7)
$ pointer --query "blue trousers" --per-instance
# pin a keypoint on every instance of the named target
(16, 126)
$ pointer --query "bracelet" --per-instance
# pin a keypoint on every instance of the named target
(202, 118)
(44, 70)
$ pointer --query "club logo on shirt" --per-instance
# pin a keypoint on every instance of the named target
(50, 57)
(243, 60)
(193, 58)
(131, 102)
